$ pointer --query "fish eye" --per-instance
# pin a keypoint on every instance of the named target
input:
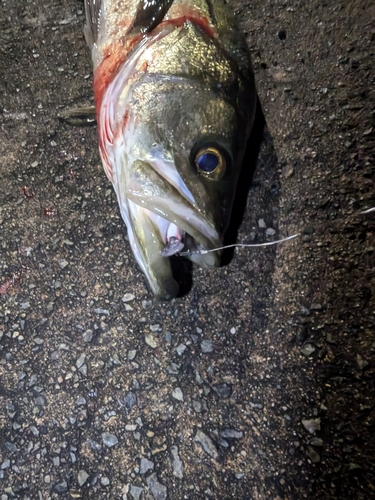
(211, 163)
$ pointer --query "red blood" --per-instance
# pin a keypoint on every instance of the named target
(50, 211)
(28, 192)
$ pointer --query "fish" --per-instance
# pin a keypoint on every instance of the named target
(175, 102)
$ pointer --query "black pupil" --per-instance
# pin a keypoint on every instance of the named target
(208, 162)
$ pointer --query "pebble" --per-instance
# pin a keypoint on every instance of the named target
(151, 340)
(61, 487)
(101, 311)
(307, 349)
(177, 464)
(80, 360)
(5, 464)
(87, 336)
(80, 401)
(207, 444)
(63, 263)
(158, 490)
(180, 349)
(155, 328)
(262, 224)
(10, 446)
(128, 297)
(109, 439)
(82, 477)
(104, 481)
(131, 427)
(177, 394)
(145, 465)
(315, 441)
(231, 434)
(132, 354)
(173, 369)
(135, 492)
(313, 455)
(312, 425)
(361, 363)
(270, 231)
(223, 390)
(129, 400)
(207, 346)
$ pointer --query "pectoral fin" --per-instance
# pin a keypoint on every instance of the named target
(79, 116)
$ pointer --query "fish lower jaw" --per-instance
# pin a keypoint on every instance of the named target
(179, 242)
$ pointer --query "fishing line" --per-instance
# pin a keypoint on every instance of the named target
(265, 244)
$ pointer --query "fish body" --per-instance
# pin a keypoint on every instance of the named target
(175, 103)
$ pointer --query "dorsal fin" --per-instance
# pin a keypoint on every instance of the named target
(149, 14)
(92, 8)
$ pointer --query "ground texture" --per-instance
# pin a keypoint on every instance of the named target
(258, 384)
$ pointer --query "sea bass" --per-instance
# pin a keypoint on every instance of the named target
(175, 103)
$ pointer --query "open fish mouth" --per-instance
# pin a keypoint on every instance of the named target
(163, 222)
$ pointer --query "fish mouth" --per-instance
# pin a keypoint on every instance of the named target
(162, 222)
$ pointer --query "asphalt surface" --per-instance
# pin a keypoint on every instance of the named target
(259, 382)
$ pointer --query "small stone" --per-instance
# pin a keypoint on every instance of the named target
(177, 394)
(82, 477)
(10, 446)
(270, 231)
(197, 405)
(63, 263)
(109, 439)
(87, 336)
(158, 490)
(132, 354)
(262, 224)
(131, 427)
(173, 369)
(312, 425)
(128, 297)
(307, 349)
(61, 487)
(80, 360)
(315, 441)
(83, 370)
(207, 346)
(101, 311)
(151, 340)
(313, 455)
(155, 328)
(145, 465)
(223, 390)
(177, 464)
(362, 363)
(5, 464)
(146, 304)
(231, 434)
(80, 401)
(135, 492)
(207, 444)
(104, 481)
(129, 400)
(316, 307)
(180, 349)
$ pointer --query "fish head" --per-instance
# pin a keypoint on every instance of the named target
(178, 156)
